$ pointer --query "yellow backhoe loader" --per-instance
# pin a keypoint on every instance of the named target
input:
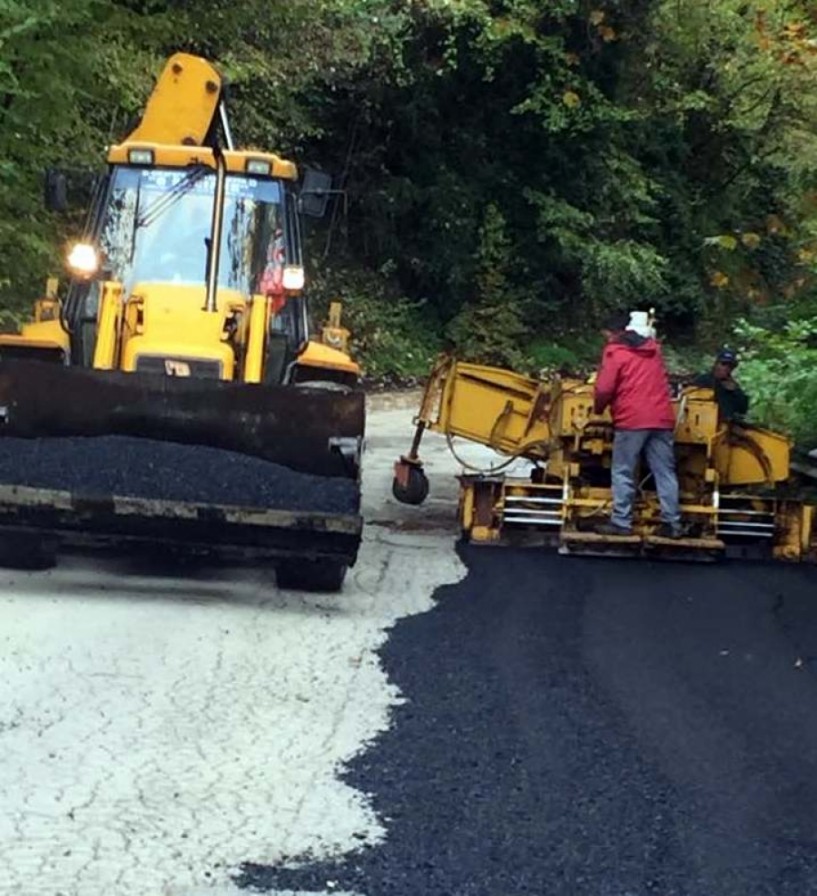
(737, 494)
(173, 396)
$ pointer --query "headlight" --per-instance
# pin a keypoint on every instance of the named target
(293, 278)
(258, 166)
(83, 260)
(140, 156)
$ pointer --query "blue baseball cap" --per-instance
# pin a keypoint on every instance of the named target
(727, 356)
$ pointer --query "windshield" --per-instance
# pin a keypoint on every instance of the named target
(157, 223)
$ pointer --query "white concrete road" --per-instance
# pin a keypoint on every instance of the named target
(157, 731)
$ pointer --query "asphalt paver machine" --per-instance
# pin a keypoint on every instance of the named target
(738, 496)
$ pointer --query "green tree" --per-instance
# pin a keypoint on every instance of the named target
(641, 153)
(491, 327)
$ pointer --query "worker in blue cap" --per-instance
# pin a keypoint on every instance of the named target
(732, 400)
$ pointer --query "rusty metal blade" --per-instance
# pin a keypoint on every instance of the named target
(302, 428)
(235, 534)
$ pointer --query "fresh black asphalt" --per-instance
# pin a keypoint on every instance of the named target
(605, 727)
(147, 468)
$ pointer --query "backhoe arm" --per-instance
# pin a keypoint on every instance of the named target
(185, 105)
(500, 409)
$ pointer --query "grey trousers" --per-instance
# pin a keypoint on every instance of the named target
(658, 448)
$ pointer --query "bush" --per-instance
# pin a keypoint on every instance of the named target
(491, 326)
(391, 336)
(489, 333)
(574, 355)
(12, 320)
(779, 373)
(686, 362)
(580, 354)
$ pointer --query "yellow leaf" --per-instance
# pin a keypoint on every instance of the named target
(750, 240)
(572, 58)
(719, 280)
(723, 241)
(571, 99)
(597, 16)
(607, 33)
(795, 30)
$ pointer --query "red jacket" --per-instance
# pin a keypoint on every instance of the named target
(632, 380)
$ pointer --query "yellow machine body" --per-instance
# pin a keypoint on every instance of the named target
(184, 319)
(733, 477)
(165, 321)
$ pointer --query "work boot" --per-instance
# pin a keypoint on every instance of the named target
(610, 528)
(667, 530)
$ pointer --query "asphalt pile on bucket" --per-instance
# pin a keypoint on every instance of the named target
(144, 468)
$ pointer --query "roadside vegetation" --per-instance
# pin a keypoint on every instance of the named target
(512, 169)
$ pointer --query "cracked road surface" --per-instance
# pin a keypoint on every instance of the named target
(157, 730)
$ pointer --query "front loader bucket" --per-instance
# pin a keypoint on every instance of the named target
(30, 517)
(308, 430)
(240, 473)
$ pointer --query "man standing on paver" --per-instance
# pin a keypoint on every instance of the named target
(632, 382)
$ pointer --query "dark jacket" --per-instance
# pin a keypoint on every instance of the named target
(731, 403)
(632, 380)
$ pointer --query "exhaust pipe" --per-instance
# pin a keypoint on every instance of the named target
(214, 253)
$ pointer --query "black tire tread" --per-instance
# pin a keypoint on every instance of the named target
(311, 575)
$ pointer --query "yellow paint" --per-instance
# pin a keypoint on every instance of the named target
(169, 321)
(33, 341)
(46, 333)
(316, 354)
(183, 102)
(751, 455)
(491, 406)
(109, 316)
(178, 116)
(256, 340)
(552, 422)
(184, 156)
(334, 334)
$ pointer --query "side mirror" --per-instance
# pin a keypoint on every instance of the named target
(315, 192)
(56, 190)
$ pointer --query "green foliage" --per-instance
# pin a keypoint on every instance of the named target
(686, 361)
(69, 78)
(38, 73)
(390, 334)
(490, 328)
(571, 355)
(779, 373)
(11, 321)
(626, 272)
(726, 93)
(511, 170)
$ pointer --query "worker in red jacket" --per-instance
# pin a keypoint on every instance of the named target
(632, 382)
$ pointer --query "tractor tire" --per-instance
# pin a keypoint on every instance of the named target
(310, 575)
(26, 552)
